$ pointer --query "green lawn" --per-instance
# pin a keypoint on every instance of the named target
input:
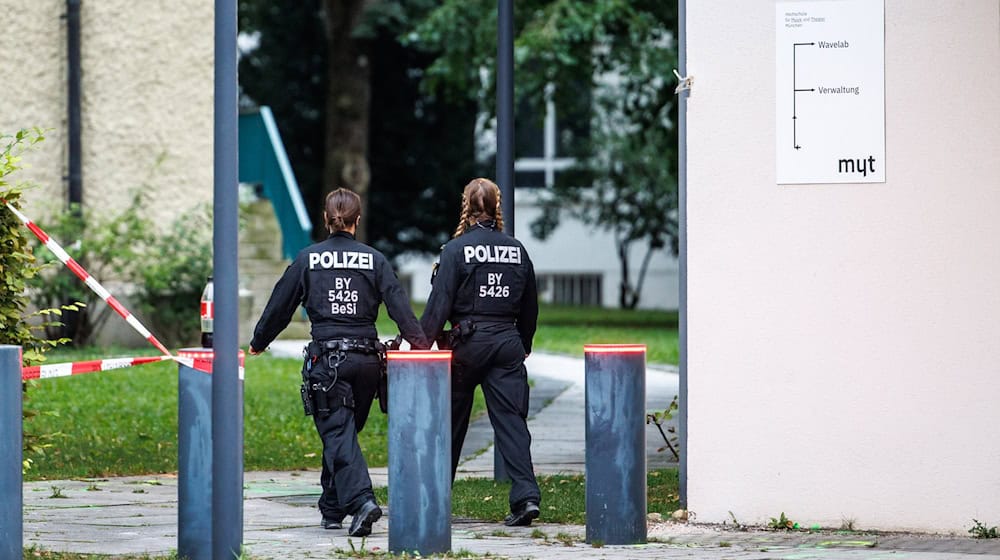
(563, 497)
(661, 344)
(564, 330)
(124, 422)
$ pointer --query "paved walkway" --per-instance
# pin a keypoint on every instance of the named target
(137, 515)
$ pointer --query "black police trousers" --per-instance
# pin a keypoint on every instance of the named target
(345, 479)
(493, 357)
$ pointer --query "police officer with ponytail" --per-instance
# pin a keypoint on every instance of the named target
(340, 282)
(485, 286)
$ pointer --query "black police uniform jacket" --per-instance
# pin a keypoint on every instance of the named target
(483, 275)
(341, 282)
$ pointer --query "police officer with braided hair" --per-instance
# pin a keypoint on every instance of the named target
(485, 286)
(341, 283)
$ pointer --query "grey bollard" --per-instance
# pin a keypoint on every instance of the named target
(11, 454)
(616, 443)
(419, 452)
(194, 456)
(194, 451)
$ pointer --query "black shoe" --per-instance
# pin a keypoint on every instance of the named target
(367, 514)
(329, 523)
(522, 517)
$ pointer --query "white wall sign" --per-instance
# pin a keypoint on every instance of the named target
(830, 86)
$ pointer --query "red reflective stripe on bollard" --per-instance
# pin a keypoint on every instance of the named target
(196, 354)
(419, 355)
(614, 348)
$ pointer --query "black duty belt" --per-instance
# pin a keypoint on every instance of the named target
(362, 345)
(486, 319)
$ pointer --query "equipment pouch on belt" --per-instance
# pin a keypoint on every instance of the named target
(449, 340)
(304, 390)
(383, 379)
(322, 389)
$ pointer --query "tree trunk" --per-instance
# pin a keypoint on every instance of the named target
(627, 296)
(347, 103)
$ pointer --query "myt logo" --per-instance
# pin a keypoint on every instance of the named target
(860, 165)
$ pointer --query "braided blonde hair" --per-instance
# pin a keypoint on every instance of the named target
(480, 201)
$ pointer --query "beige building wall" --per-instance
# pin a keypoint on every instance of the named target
(147, 91)
(844, 340)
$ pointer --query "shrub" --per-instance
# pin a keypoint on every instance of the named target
(106, 246)
(168, 269)
(981, 531)
(659, 418)
(172, 278)
(17, 268)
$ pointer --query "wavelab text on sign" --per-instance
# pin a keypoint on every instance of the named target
(830, 91)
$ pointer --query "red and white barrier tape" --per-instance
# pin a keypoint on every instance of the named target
(74, 368)
(89, 280)
(199, 361)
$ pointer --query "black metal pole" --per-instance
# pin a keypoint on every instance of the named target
(227, 392)
(11, 515)
(505, 146)
(75, 187)
(505, 110)
(682, 230)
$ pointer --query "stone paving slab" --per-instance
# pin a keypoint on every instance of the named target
(276, 528)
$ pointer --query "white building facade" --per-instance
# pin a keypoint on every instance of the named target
(576, 265)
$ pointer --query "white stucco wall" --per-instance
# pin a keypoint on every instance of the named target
(147, 87)
(844, 340)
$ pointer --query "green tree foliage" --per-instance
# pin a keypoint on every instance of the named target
(287, 71)
(622, 54)
(420, 148)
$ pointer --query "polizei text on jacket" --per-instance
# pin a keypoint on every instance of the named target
(492, 254)
(342, 259)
